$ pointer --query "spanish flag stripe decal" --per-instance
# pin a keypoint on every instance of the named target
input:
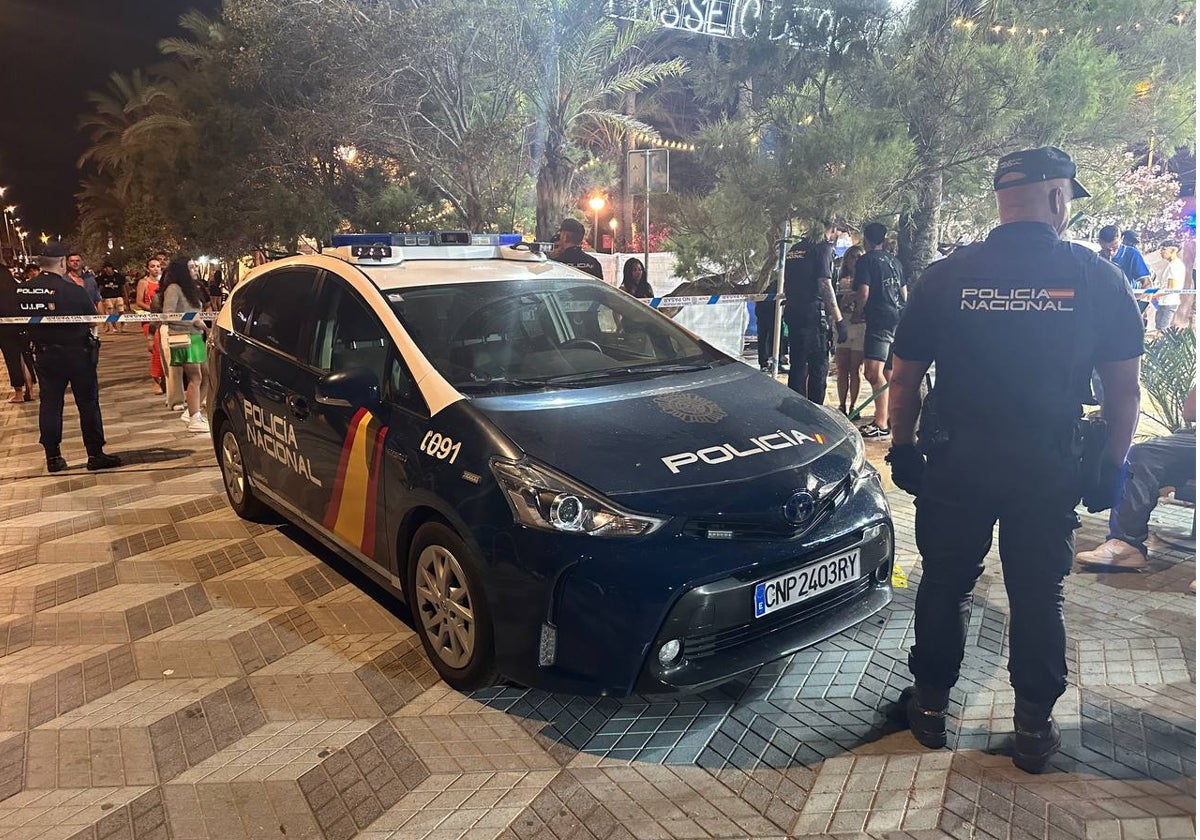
(339, 481)
(368, 538)
(352, 507)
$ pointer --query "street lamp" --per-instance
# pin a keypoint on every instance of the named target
(597, 204)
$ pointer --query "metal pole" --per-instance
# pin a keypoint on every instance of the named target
(777, 338)
(646, 230)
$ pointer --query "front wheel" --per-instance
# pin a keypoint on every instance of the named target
(233, 475)
(445, 591)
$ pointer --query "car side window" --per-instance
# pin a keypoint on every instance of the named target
(283, 303)
(242, 307)
(348, 334)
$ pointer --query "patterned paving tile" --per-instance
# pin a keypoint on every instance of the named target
(170, 671)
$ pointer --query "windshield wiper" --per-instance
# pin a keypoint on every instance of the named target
(507, 382)
(633, 370)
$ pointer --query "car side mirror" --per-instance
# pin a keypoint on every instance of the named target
(352, 388)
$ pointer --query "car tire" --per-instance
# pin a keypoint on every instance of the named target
(449, 609)
(233, 476)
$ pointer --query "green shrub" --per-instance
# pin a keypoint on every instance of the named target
(1168, 373)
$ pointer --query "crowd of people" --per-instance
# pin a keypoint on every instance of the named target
(170, 286)
(848, 308)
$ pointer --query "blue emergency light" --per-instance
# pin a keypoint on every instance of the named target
(417, 240)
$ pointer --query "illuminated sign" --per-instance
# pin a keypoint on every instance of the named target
(737, 19)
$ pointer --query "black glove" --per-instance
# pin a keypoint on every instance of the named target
(908, 468)
(1100, 493)
(843, 332)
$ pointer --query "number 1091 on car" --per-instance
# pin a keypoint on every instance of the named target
(802, 584)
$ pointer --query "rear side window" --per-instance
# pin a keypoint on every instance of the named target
(281, 303)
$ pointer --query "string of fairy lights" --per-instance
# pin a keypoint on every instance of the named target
(1011, 29)
(964, 24)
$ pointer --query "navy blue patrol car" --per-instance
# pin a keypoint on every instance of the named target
(569, 490)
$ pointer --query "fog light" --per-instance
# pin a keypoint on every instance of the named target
(669, 652)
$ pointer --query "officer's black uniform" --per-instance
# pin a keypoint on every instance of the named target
(65, 354)
(809, 325)
(1015, 326)
(576, 257)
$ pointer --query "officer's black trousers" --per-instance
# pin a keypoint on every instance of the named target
(1036, 549)
(57, 367)
(809, 373)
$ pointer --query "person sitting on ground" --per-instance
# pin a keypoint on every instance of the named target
(1168, 461)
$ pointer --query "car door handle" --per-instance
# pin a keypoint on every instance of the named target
(299, 407)
(273, 389)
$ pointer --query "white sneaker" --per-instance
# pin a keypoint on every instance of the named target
(198, 423)
(185, 417)
(1114, 554)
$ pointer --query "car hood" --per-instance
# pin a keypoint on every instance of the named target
(691, 434)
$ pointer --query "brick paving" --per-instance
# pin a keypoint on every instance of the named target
(169, 671)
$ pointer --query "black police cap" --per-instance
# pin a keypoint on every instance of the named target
(1032, 166)
(572, 226)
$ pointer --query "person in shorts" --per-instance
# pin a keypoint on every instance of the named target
(182, 293)
(879, 294)
(112, 295)
(848, 355)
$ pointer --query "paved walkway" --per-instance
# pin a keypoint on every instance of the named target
(169, 671)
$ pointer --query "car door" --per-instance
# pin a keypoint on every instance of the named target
(347, 436)
(274, 364)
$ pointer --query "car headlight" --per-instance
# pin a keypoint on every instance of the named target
(858, 463)
(544, 499)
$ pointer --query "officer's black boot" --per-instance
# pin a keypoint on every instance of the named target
(102, 461)
(1037, 736)
(923, 711)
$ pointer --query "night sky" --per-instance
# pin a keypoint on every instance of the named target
(52, 52)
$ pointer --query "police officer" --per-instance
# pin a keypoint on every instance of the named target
(1015, 325)
(64, 354)
(811, 312)
(568, 249)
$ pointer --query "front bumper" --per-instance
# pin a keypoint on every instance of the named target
(587, 616)
(719, 637)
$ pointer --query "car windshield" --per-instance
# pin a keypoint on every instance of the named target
(543, 333)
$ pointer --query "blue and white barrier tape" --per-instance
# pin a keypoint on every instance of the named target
(128, 317)
(705, 300)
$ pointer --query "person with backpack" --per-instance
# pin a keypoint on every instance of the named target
(811, 312)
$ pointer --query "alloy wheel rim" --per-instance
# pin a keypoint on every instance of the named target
(231, 468)
(445, 607)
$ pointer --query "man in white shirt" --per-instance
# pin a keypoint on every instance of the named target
(1169, 277)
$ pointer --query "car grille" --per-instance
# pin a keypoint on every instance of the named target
(769, 525)
(704, 645)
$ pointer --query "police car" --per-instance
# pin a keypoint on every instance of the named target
(569, 490)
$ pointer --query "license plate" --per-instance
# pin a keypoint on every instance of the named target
(802, 584)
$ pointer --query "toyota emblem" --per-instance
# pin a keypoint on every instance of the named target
(799, 508)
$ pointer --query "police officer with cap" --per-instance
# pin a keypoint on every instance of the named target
(64, 354)
(811, 312)
(1015, 325)
(568, 249)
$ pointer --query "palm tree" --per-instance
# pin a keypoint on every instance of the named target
(135, 121)
(589, 68)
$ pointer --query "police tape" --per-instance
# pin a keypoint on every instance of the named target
(124, 318)
(707, 300)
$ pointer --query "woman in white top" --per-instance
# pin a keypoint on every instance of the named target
(1170, 276)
